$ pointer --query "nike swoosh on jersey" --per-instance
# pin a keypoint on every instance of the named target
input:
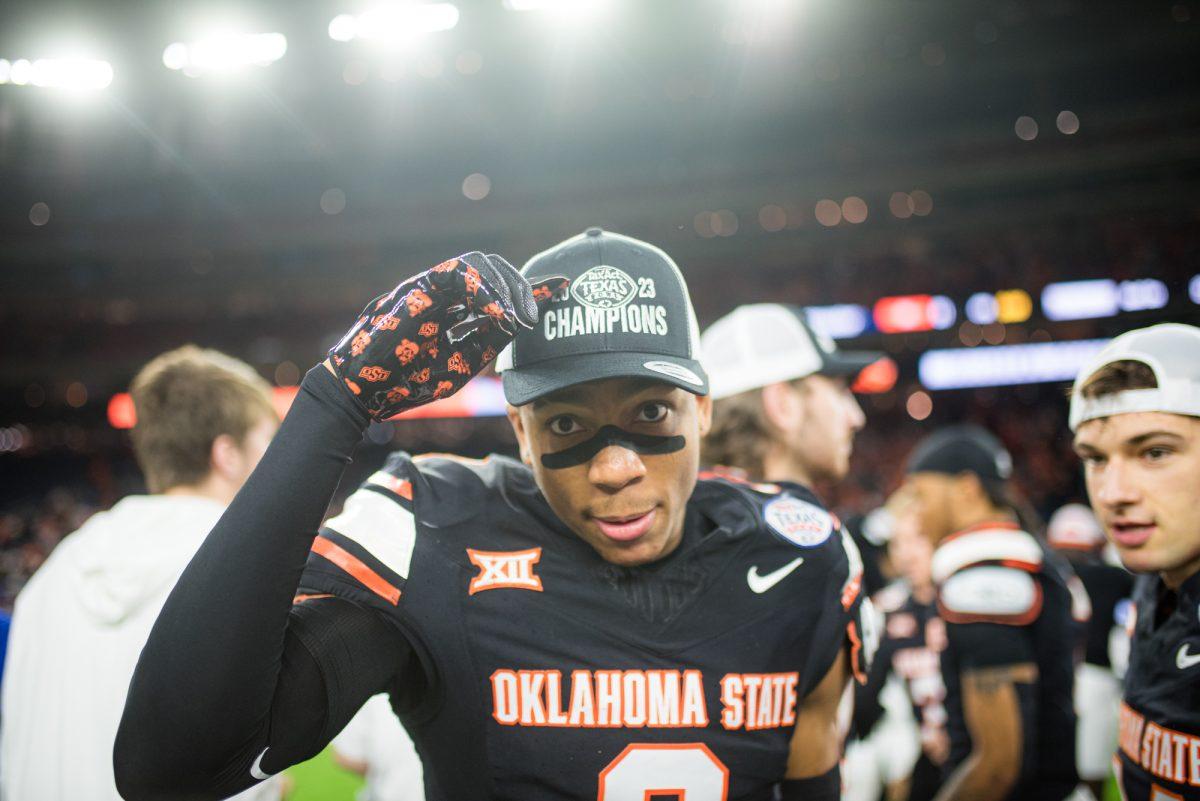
(1184, 660)
(256, 769)
(761, 584)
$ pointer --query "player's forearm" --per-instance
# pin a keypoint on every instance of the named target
(977, 779)
(212, 662)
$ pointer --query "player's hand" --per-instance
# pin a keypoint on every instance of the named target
(431, 334)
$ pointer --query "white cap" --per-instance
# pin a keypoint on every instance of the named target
(1074, 526)
(1170, 350)
(764, 343)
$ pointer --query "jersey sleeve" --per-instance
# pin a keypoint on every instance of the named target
(364, 554)
(983, 645)
(863, 620)
(987, 609)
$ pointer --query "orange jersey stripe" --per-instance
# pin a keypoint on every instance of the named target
(355, 567)
(299, 599)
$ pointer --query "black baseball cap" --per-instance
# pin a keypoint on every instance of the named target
(625, 314)
(962, 449)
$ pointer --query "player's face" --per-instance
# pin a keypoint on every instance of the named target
(628, 505)
(1143, 478)
(824, 439)
(932, 495)
(910, 551)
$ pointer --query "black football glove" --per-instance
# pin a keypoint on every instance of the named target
(430, 335)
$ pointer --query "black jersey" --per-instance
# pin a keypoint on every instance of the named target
(1006, 599)
(552, 674)
(1108, 586)
(911, 638)
(1158, 758)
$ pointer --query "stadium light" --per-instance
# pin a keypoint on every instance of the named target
(1142, 294)
(1005, 365)
(902, 314)
(224, 53)
(71, 74)
(840, 320)
(551, 5)
(394, 22)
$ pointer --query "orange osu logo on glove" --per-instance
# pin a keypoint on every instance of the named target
(458, 364)
(444, 388)
(374, 373)
(488, 354)
(417, 302)
(386, 322)
(493, 310)
(407, 350)
(397, 394)
(446, 266)
(361, 340)
(429, 329)
(420, 377)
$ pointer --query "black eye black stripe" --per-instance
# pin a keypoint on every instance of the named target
(644, 444)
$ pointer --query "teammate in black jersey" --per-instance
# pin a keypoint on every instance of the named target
(782, 407)
(1008, 663)
(1074, 532)
(588, 622)
(1135, 411)
(911, 640)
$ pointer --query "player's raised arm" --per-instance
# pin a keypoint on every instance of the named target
(235, 683)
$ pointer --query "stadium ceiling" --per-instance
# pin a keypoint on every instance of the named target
(525, 122)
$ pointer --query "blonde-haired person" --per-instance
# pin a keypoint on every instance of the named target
(1135, 411)
(203, 421)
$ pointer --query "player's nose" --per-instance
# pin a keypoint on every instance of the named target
(854, 412)
(615, 467)
(1116, 486)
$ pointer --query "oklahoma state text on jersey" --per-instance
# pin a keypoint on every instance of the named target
(546, 672)
(1158, 756)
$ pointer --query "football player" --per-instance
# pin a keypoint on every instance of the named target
(588, 622)
(783, 410)
(782, 406)
(1135, 411)
(911, 638)
(1074, 532)
(1008, 662)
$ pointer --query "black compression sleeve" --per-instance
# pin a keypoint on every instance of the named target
(203, 695)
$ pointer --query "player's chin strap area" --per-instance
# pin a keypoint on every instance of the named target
(644, 444)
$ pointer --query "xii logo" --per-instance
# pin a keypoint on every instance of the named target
(500, 569)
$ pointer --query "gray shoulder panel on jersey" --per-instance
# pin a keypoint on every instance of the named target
(990, 594)
(1007, 545)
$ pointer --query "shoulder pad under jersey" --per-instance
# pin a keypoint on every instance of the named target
(990, 594)
(1004, 545)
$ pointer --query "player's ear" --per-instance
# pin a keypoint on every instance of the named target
(518, 425)
(704, 406)
(781, 405)
(968, 487)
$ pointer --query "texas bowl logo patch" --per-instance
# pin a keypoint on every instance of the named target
(800, 522)
(604, 287)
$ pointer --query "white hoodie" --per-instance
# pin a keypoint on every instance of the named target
(78, 628)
